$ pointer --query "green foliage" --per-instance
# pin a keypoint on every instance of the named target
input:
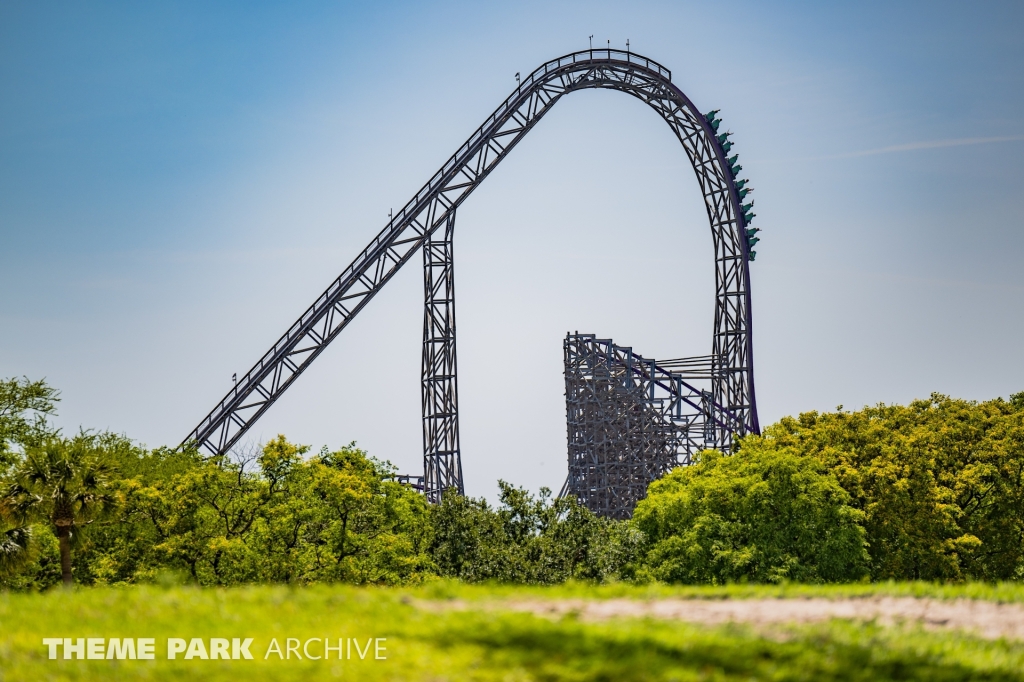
(526, 539)
(24, 408)
(15, 548)
(41, 568)
(64, 483)
(940, 481)
(273, 516)
(762, 515)
(934, 490)
(467, 542)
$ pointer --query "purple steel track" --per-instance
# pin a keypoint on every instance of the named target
(434, 205)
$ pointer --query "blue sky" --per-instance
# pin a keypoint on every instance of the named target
(179, 181)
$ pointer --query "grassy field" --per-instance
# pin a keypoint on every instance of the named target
(1008, 593)
(422, 643)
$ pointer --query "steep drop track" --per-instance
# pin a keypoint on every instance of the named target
(435, 204)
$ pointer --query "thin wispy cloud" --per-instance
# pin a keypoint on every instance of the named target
(932, 144)
(909, 147)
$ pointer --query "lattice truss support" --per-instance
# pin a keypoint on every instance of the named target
(430, 208)
(442, 464)
(631, 421)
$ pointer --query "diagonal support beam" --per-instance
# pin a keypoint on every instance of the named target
(442, 463)
(429, 209)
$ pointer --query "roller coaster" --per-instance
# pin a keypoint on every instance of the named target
(632, 419)
(607, 476)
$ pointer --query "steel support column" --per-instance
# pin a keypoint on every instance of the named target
(442, 463)
(429, 210)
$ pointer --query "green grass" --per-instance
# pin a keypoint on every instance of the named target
(997, 592)
(486, 645)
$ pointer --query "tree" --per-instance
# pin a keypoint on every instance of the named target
(121, 548)
(61, 482)
(526, 539)
(761, 515)
(469, 541)
(24, 408)
(941, 482)
(15, 548)
(376, 529)
(276, 516)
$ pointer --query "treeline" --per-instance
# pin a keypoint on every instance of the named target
(933, 490)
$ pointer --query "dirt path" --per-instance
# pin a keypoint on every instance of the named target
(988, 619)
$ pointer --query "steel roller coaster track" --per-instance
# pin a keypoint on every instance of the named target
(427, 222)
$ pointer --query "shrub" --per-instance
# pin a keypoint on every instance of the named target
(941, 482)
(762, 515)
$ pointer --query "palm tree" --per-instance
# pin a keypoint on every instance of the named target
(15, 545)
(64, 483)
